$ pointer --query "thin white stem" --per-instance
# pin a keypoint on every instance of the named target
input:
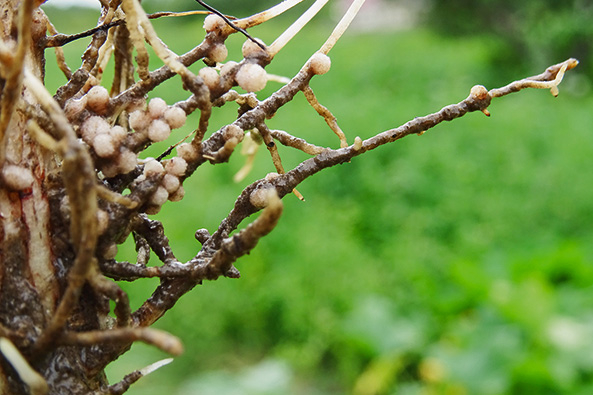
(266, 15)
(157, 365)
(293, 29)
(342, 26)
(105, 53)
(36, 383)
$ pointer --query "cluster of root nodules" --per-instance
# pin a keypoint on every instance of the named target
(118, 125)
(116, 150)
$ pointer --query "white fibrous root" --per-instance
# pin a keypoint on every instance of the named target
(210, 77)
(92, 127)
(248, 149)
(157, 365)
(156, 107)
(139, 120)
(251, 77)
(176, 166)
(319, 63)
(213, 22)
(158, 130)
(17, 178)
(251, 49)
(218, 53)
(34, 381)
(188, 152)
(175, 117)
(97, 99)
(74, 107)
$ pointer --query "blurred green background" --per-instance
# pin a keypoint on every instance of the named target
(458, 262)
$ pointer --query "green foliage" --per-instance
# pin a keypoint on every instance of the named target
(454, 262)
(531, 32)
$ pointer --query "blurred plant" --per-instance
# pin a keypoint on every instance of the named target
(531, 31)
(75, 183)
